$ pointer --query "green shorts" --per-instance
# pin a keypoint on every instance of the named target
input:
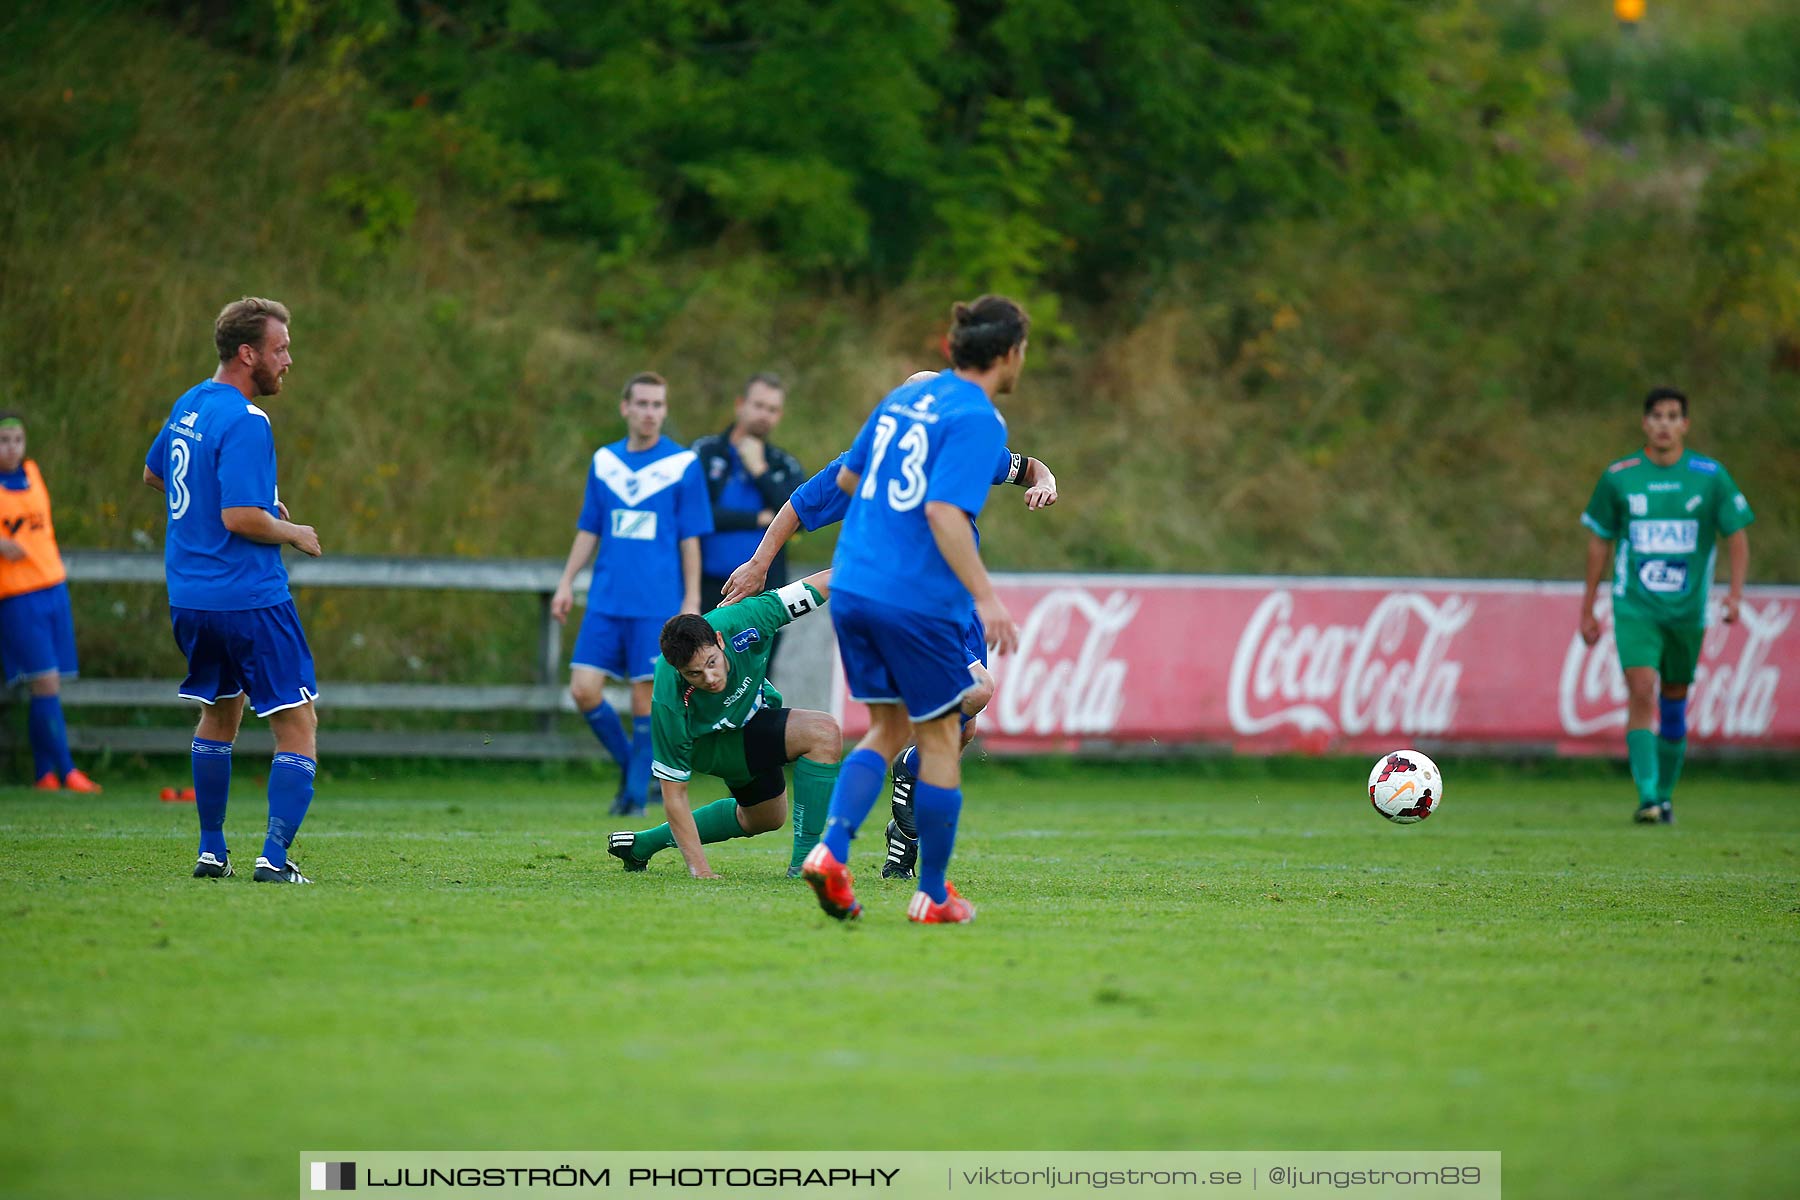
(750, 759)
(1672, 650)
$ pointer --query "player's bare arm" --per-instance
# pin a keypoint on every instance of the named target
(680, 816)
(748, 579)
(259, 525)
(152, 479)
(581, 552)
(1040, 484)
(955, 538)
(1737, 556)
(1599, 553)
(690, 575)
(847, 480)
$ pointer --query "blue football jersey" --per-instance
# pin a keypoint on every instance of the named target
(641, 504)
(938, 439)
(820, 501)
(217, 451)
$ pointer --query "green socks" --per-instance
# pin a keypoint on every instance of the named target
(1640, 745)
(1669, 757)
(716, 822)
(813, 784)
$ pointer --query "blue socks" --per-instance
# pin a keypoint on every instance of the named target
(212, 787)
(604, 721)
(290, 792)
(49, 738)
(637, 776)
(859, 783)
(935, 810)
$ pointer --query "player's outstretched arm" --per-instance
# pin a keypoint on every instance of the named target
(260, 525)
(955, 538)
(580, 552)
(749, 577)
(680, 816)
(1040, 484)
(1599, 553)
(820, 582)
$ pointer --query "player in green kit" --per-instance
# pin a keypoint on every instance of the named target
(1657, 516)
(713, 710)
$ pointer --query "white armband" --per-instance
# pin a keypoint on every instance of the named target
(800, 598)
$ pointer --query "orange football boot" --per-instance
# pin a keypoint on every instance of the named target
(76, 781)
(953, 911)
(48, 782)
(830, 881)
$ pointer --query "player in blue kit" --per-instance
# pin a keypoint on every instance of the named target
(907, 580)
(820, 502)
(645, 509)
(233, 616)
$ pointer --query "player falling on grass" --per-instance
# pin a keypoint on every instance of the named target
(1656, 515)
(909, 579)
(716, 712)
(644, 511)
(228, 590)
(37, 627)
(820, 502)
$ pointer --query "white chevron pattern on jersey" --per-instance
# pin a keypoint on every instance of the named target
(635, 487)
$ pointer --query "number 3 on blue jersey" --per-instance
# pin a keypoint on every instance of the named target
(903, 494)
(178, 488)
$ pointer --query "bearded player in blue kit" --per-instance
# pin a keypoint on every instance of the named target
(907, 579)
(229, 603)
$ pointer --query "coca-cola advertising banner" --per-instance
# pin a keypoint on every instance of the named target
(1270, 665)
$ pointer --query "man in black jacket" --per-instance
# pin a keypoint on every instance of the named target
(749, 479)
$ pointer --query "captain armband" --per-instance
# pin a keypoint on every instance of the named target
(800, 597)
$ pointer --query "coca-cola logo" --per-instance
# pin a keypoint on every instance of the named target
(1734, 699)
(1390, 674)
(1063, 678)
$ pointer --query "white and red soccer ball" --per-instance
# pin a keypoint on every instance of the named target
(1405, 787)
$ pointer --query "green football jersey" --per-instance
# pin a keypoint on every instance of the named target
(1664, 523)
(682, 714)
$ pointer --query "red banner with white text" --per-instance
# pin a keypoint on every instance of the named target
(1271, 665)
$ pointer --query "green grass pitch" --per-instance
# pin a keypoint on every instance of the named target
(1170, 956)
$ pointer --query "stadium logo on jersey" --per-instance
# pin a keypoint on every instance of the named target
(1705, 466)
(190, 419)
(1694, 502)
(1665, 485)
(1663, 577)
(1623, 464)
(1738, 502)
(1639, 505)
(1664, 537)
(634, 525)
(743, 639)
(635, 487)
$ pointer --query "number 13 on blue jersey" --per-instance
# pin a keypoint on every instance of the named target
(904, 493)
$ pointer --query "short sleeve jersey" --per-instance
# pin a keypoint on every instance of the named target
(820, 501)
(935, 440)
(217, 451)
(682, 714)
(1665, 523)
(641, 504)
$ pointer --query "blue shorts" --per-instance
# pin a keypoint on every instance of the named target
(259, 651)
(37, 634)
(623, 647)
(975, 641)
(897, 656)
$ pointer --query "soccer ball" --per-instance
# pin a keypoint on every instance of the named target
(1405, 787)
